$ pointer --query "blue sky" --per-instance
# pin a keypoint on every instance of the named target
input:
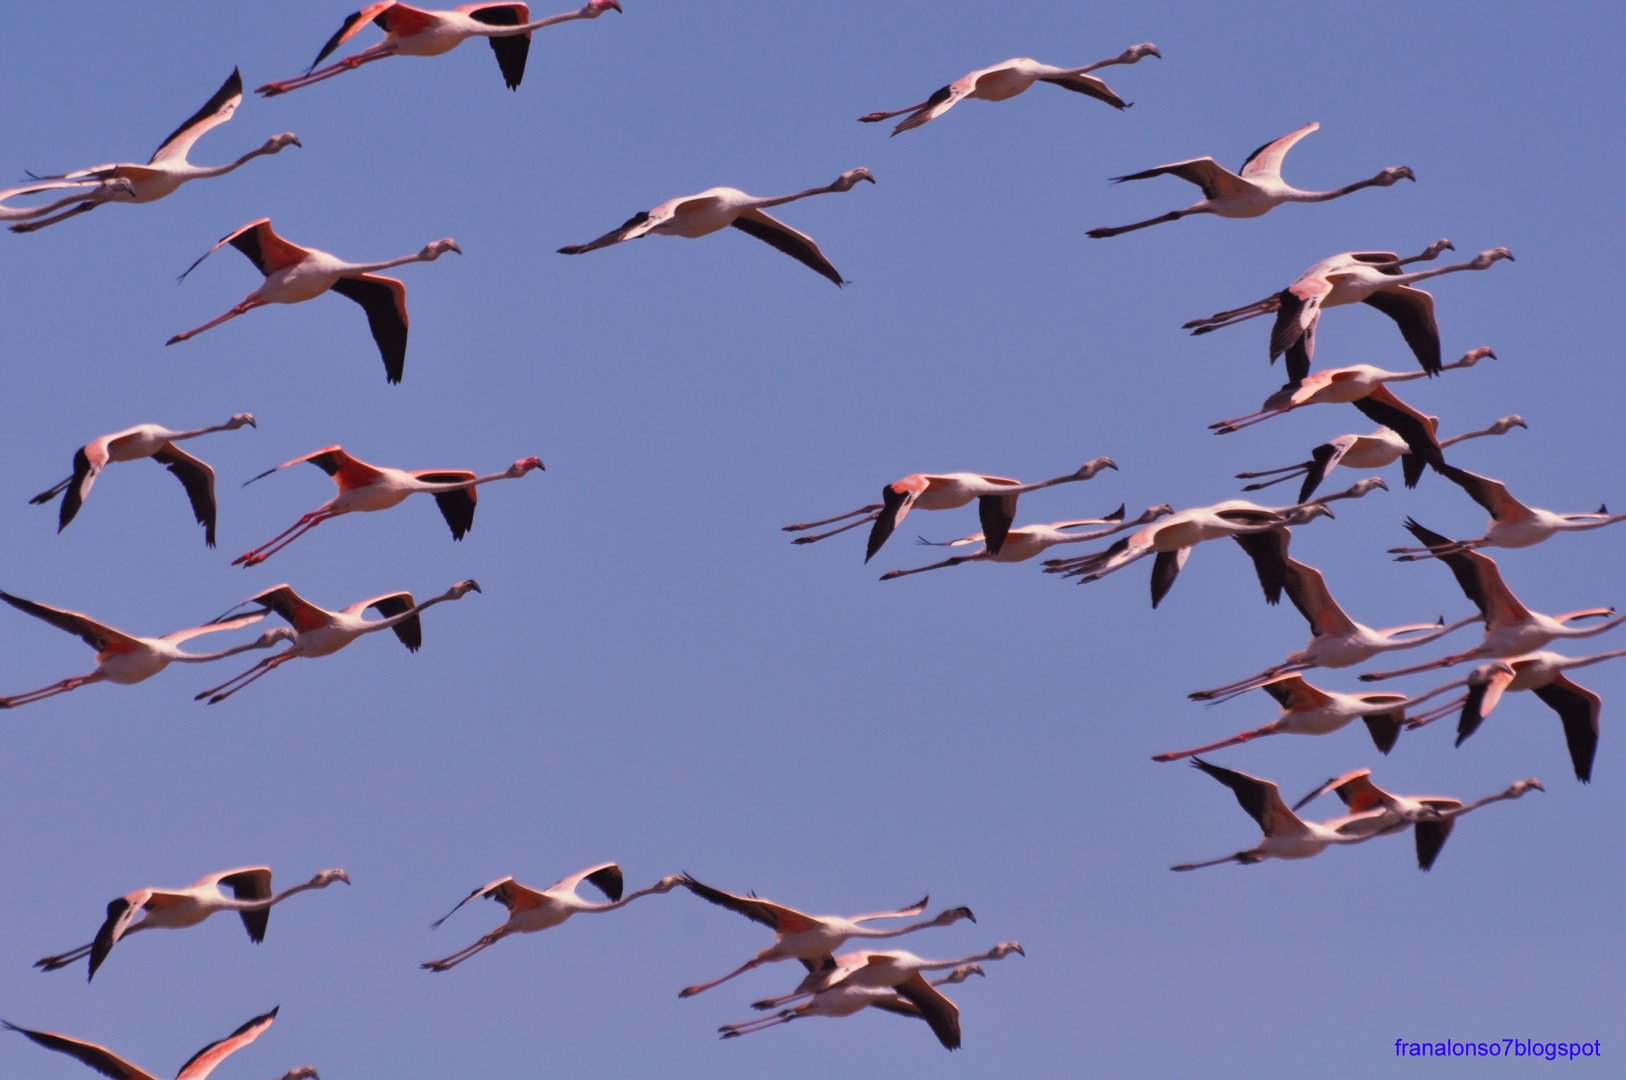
(655, 675)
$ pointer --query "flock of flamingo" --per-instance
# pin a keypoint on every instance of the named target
(1511, 655)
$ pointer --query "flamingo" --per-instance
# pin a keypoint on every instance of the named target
(1336, 640)
(996, 503)
(1309, 710)
(123, 658)
(1378, 450)
(364, 487)
(894, 981)
(1511, 629)
(812, 939)
(530, 910)
(168, 169)
(1375, 812)
(177, 909)
(1286, 836)
(1031, 540)
(409, 31)
(133, 444)
(293, 273)
(1354, 277)
(1172, 539)
(1365, 387)
(1004, 81)
(1543, 673)
(1257, 189)
(718, 208)
(199, 1066)
(91, 190)
(1512, 524)
(322, 633)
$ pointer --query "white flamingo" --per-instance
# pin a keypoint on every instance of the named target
(1030, 541)
(1512, 523)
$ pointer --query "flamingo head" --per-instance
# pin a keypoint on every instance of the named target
(849, 179)
(668, 883)
(1090, 468)
(1130, 56)
(1393, 175)
(1004, 949)
(240, 419)
(1521, 786)
(1433, 250)
(1486, 258)
(525, 465)
(277, 142)
(463, 588)
(964, 972)
(328, 877)
(951, 916)
(1152, 513)
(304, 1072)
(431, 252)
(595, 8)
(1507, 423)
(274, 635)
(1362, 487)
(1474, 356)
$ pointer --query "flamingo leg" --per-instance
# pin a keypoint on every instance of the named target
(1100, 234)
(956, 561)
(1269, 729)
(446, 963)
(47, 496)
(825, 535)
(1242, 686)
(870, 509)
(48, 691)
(734, 1031)
(1439, 712)
(1225, 427)
(62, 960)
(247, 305)
(283, 539)
(1444, 661)
(220, 693)
(690, 991)
(31, 226)
(349, 63)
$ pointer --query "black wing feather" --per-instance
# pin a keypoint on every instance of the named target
(511, 51)
(232, 87)
(1423, 337)
(200, 490)
(1384, 729)
(607, 881)
(794, 246)
(383, 319)
(409, 631)
(1580, 717)
(996, 512)
(1268, 550)
(248, 887)
(72, 500)
(1431, 837)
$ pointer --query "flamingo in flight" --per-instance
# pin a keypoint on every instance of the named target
(293, 274)
(1373, 278)
(1004, 81)
(1336, 640)
(1542, 673)
(1375, 812)
(1512, 524)
(1366, 388)
(1309, 710)
(199, 1066)
(1032, 540)
(1511, 629)
(1172, 538)
(530, 910)
(133, 444)
(719, 207)
(1378, 450)
(123, 658)
(1256, 189)
(318, 632)
(91, 190)
(364, 487)
(410, 31)
(177, 909)
(168, 169)
(886, 980)
(996, 503)
(812, 939)
(1286, 835)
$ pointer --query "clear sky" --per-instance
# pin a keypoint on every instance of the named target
(655, 675)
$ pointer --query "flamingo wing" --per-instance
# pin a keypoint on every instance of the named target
(264, 248)
(216, 111)
(384, 301)
(605, 877)
(1491, 494)
(204, 1061)
(777, 917)
(1216, 180)
(104, 639)
(1481, 698)
(88, 462)
(896, 499)
(1308, 590)
(1296, 318)
(1292, 692)
(353, 24)
(1268, 550)
(1432, 835)
(1413, 311)
(1259, 798)
(1385, 728)
(1090, 86)
(936, 105)
(198, 479)
(457, 507)
(1578, 708)
(208, 628)
(1481, 582)
(996, 512)
(1323, 460)
(1165, 568)
(938, 1011)
(99, 1058)
(121, 913)
(782, 237)
(299, 613)
(637, 225)
(250, 883)
(346, 471)
(511, 51)
(1267, 160)
(505, 890)
(1383, 407)
(409, 631)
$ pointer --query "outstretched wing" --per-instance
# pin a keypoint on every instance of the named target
(1091, 86)
(798, 246)
(204, 1061)
(896, 499)
(299, 613)
(99, 1058)
(780, 919)
(605, 877)
(635, 226)
(506, 891)
(1491, 494)
(511, 51)
(347, 472)
(251, 883)
(1259, 798)
(353, 23)
(457, 507)
(384, 301)
(938, 1011)
(85, 472)
(264, 248)
(1382, 406)
(1267, 160)
(1216, 180)
(199, 481)
(1308, 590)
(1413, 311)
(104, 639)
(1268, 550)
(409, 631)
(1578, 708)
(936, 105)
(216, 111)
